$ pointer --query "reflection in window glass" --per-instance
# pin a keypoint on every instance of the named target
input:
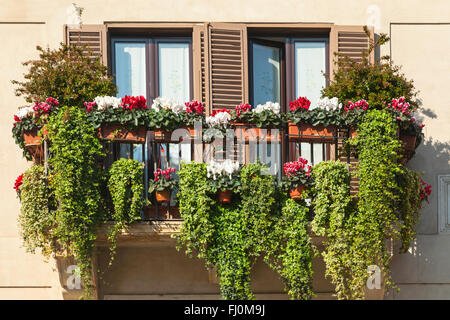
(266, 74)
(309, 68)
(318, 153)
(174, 71)
(130, 69)
(305, 151)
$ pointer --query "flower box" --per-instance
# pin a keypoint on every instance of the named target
(252, 133)
(32, 138)
(120, 133)
(163, 135)
(352, 132)
(308, 131)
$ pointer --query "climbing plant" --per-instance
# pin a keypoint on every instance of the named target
(37, 215)
(76, 179)
(232, 237)
(334, 211)
(378, 148)
(126, 187)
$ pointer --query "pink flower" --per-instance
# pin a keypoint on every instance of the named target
(243, 108)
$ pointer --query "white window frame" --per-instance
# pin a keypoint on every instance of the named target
(444, 203)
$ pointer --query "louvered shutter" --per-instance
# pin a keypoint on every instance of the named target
(226, 64)
(200, 65)
(350, 41)
(93, 36)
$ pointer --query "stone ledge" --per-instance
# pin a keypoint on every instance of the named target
(157, 232)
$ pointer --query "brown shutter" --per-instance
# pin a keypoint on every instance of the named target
(91, 35)
(226, 64)
(200, 65)
(350, 41)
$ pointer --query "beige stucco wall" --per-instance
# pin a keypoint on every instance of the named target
(421, 46)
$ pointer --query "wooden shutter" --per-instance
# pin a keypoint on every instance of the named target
(222, 61)
(93, 36)
(350, 41)
(200, 65)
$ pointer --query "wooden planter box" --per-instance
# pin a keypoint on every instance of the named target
(120, 133)
(162, 135)
(408, 142)
(306, 131)
(251, 133)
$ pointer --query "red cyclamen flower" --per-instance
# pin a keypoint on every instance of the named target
(299, 103)
(243, 108)
(218, 111)
(195, 107)
(130, 102)
(358, 105)
(294, 167)
(18, 182)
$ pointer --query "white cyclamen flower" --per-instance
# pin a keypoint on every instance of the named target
(226, 167)
(220, 119)
(25, 112)
(269, 105)
(167, 103)
(328, 104)
(105, 102)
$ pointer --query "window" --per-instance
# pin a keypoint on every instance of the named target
(152, 67)
(444, 203)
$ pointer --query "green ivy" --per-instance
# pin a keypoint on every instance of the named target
(334, 211)
(76, 180)
(37, 215)
(376, 219)
(231, 237)
(126, 187)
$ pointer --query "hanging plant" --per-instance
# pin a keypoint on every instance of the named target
(37, 212)
(76, 179)
(126, 188)
(297, 177)
(163, 183)
(224, 179)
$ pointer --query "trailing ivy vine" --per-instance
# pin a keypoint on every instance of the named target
(334, 218)
(231, 237)
(37, 216)
(126, 187)
(376, 219)
(76, 180)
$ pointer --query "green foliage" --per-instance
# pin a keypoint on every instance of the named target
(315, 117)
(377, 83)
(378, 149)
(128, 118)
(290, 251)
(164, 118)
(410, 203)
(67, 75)
(231, 237)
(126, 187)
(76, 180)
(334, 215)
(264, 119)
(37, 215)
(224, 182)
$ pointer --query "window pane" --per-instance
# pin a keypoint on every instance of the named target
(305, 151)
(266, 74)
(130, 69)
(318, 153)
(174, 71)
(309, 65)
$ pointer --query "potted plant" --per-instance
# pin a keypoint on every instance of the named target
(409, 128)
(263, 117)
(352, 114)
(223, 179)
(297, 177)
(166, 115)
(163, 184)
(315, 123)
(116, 119)
(29, 127)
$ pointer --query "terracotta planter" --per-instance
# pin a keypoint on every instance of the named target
(408, 142)
(162, 135)
(306, 131)
(120, 133)
(297, 192)
(251, 133)
(352, 133)
(32, 138)
(163, 196)
(224, 196)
